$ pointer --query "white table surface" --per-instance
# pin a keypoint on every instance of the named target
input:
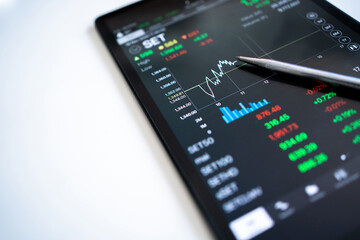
(78, 158)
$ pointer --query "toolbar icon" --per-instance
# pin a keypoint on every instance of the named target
(340, 174)
(135, 49)
(312, 190)
(251, 224)
(119, 34)
(281, 206)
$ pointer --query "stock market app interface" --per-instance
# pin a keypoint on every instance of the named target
(273, 151)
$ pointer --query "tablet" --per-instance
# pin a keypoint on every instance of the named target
(265, 155)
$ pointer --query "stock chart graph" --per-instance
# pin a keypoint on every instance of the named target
(197, 70)
(230, 117)
(227, 77)
(216, 79)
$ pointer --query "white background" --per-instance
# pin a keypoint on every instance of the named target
(78, 158)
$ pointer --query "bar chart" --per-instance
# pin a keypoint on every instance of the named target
(230, 116)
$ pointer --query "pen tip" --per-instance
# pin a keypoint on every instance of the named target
(243, 58)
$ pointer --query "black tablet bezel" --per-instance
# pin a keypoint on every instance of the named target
(188, 173)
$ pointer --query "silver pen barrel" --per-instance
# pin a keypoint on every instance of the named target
(303, 71)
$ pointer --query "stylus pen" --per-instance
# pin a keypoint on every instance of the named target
(303, 71)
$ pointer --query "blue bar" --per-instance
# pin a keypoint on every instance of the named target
(236, 114)
(249, 110)
(243, 107)
(229, 113)
(253, 106)
(265, 101)
(225, 119)
(261, 105)
(223, 111)
(243, 112)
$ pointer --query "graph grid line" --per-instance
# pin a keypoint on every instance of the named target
(240, 66)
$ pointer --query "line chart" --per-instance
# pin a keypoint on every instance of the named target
(217, 75)
(216, 80)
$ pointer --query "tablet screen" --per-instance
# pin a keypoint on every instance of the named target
(266, 155)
